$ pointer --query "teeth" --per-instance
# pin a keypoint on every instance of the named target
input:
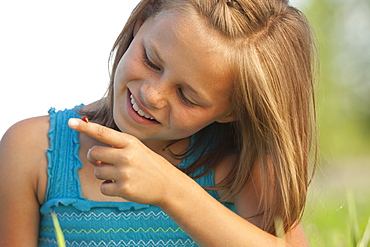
(138, 110)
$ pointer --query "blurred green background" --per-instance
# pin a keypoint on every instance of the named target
(338, 207)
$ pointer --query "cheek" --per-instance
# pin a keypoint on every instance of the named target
(123, 69)
(193, 121)
(129, 66)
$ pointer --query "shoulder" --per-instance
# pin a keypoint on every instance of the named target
(27, 135)
(247, 200)
(23, 151)
(22, 180)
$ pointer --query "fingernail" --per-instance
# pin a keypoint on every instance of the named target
(73, 122)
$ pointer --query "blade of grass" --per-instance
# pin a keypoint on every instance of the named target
(354, 230)
(279, 229)
(58, 231)
(365, 240)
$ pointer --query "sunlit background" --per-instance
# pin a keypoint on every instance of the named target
(55, 54)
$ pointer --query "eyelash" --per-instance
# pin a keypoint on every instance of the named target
(183, 98)
(149, 63)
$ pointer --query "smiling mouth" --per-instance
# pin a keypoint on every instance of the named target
(138, 110)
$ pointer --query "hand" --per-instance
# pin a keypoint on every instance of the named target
(131, 170)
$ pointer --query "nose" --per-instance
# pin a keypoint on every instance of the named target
(154, 94)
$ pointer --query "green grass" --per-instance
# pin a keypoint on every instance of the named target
(338, 208)
(58, 231)
(334, 222)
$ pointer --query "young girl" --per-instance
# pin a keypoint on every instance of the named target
(203, 139)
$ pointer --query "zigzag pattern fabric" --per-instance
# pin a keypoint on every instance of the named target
(130, 243)
(112, 216)
(100, 224)
(104, 226)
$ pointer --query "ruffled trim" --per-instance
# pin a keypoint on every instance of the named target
(86, 205)
(54, 177)
(50, 150)
(76, 150)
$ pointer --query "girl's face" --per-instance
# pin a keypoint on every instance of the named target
(172, 81)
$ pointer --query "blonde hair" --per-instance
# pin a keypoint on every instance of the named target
(271, 53)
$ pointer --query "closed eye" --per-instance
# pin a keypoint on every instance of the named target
(184, 99)
(150, 63)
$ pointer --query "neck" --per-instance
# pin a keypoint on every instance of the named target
(165, 148)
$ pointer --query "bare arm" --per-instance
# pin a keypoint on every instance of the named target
(211, 224)
(20, 160)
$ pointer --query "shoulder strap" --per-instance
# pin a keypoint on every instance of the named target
(63, 159)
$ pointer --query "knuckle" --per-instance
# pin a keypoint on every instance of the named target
(127, 158)
(101, 132)
(132, 140)
(122, 156)
(127, 174)
(126, 190)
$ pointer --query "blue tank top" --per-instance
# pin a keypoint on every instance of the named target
(93, 223)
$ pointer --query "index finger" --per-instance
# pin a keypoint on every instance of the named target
(99, 132)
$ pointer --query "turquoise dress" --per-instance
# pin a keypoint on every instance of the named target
(93, 223)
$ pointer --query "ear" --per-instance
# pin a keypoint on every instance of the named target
(229, 117)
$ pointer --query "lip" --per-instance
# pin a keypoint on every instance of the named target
(134, 115)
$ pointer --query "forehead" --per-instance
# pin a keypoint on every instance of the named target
(191, 28)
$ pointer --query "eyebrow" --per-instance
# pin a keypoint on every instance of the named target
(202, 100)
(153, 50)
